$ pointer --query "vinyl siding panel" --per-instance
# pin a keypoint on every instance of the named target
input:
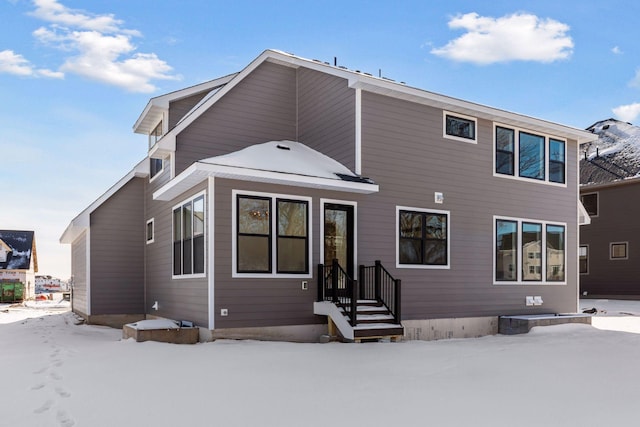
(178, 109)
(79, 271)
(616, 222)
(117, 252)
(255, 302)
(326, 115)
(182, 299)
(405, 153)
(261, 108)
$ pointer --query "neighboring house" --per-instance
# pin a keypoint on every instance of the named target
(610, 185)
(255, 182)
(18, 259)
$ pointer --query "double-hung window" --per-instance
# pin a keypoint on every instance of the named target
(523, 154)
(529, 251)
(271, 235)
(423, 238)
(188, 237)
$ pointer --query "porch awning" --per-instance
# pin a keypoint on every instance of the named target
(275, 162)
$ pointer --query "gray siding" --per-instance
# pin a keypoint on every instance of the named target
(404, 151)
(185, 299)
(618, 211)
(179, 108)
(261, 108)
(326, 115)
(79, 271)
(263, 301)
(117, 252)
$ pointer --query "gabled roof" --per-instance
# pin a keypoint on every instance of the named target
(382, 86)
(22, 245)
(154, 109)
(275, 162)
(81, 222)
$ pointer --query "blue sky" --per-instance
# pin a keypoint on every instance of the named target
(75, 75)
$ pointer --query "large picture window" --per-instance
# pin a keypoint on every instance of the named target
(188, 237)
(527, 155)
(258, 219)
(423, 238)
(529, 251)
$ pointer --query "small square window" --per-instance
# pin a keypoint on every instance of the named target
(459, 127)
(619, 250)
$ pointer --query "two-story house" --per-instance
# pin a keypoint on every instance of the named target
(18, 259)
(268, 196)
(610, 184)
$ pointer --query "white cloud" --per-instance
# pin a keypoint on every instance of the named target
(517, 37)
(616, 50)
(627, 113)
(13, 63)
(97, 47)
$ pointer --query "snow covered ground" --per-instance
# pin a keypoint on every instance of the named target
(56, 373)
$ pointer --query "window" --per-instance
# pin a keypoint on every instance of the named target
(531, 156)
(590, 203)
(188, 237)
(619, 250)
(555, 253)
(459, 127)
(556, 161)
(504, 150)
(150, 231)
(532, 247)
(535, 157)
(155, 166)
(155, 134)
(584, 259)
(522, 245)
(256, 250)
(423, 238)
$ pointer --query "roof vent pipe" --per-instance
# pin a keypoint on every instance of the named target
(335, 61)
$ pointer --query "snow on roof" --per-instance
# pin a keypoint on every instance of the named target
(614, 156)
(145, 325)
(22, 245)
(285, 157)
(274, 162)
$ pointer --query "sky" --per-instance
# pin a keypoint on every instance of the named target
(75, 75)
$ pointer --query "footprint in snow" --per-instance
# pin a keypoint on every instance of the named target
(37, 386)
(44, 407)
(62, 392)
(64, 419)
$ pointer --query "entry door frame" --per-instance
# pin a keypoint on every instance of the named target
(354, 249)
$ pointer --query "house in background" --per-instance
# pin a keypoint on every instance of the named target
(610, 185)
(18, 259)
(275, 201)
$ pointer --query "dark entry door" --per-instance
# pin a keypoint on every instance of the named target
(338, 236)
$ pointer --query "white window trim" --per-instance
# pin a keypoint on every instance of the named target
(274, 240)
(446, 113)
(516, 156)
(597, 193)
(160, 172)
(588, 250)
(423, 266)
(324, 202)
(543, 259)
(611, 258)
(153, 231)
(206, 238)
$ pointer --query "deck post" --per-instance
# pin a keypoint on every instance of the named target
(334, 280)
(378, 279)
(354, 303)
(320, 282)
(398, 301)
